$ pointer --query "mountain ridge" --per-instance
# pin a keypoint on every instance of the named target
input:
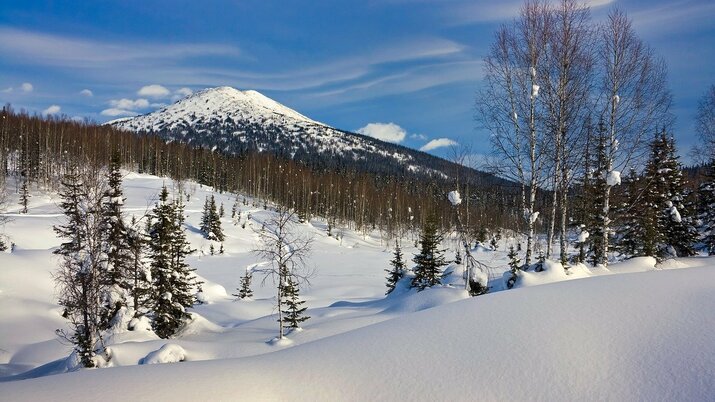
(233, 121)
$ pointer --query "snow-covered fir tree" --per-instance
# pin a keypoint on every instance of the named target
(656, 222)
(514, 267)
(172, 279)
(678, 223)
(81, 275)
(138, 273)
(119, 258)
(430, 260)
(293, 309)
(245, 291)
(397, 270)
(597, 220)
(24, 195)
(211, 221)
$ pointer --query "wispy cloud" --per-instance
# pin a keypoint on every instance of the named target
(86, 92)
(66, 51)
(467, 12)
(674, 15)
(26, 87)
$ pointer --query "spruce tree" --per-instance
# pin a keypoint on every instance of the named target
(678, 224)
(24, 195)
(172, 279)
(430, 260)
(119, 257)
(293, 310)
(138, 273)
(211, 221)
(397, 271)
(245, 292)
(631, 218)
(597, 219)
(514, 266)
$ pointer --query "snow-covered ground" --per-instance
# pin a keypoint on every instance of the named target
(633, 331)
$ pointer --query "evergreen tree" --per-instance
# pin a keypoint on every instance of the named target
(597, 219)
(678, 224)
(430, 260)
(631, 212)
(397, 271)
(24, 195)
(211, 221)
(706, 208)
(514, 266)
(245, 292)
(119, 257)
(138, 273)
(293, 310)
(80, 276)
(172, 279)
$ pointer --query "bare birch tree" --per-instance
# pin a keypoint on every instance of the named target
(633, 99)
(509, 105)
(287, 250)
(567, 78)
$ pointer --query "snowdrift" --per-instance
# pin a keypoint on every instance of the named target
(643, 336)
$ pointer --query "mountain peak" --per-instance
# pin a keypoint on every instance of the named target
(219, 103)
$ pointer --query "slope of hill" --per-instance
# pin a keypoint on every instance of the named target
(632, 331)
(234, 122)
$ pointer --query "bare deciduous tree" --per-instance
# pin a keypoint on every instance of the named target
(633, 100)
(510, 96)
(287, 250)
(567, 78)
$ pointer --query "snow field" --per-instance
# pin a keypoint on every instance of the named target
(646, 336)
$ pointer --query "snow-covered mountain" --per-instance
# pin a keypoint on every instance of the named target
(219, 104)
(234, 121)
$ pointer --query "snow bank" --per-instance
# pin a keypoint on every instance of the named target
(169, 353)
(595, 339)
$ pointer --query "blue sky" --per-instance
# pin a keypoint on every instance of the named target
(357, 64)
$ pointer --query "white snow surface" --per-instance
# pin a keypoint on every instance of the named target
(632, 331)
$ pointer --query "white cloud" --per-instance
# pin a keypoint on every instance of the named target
(26, 87)
(6, 90)
(389, 132)
(86, 92)
(115, 112)
(438, 143)
(181, 93)
(54, 109)
(154, 91)
(418, 137)
(184, 91)
(129, 104)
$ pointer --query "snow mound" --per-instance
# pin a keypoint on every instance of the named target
(169, 353)
(595, 339)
